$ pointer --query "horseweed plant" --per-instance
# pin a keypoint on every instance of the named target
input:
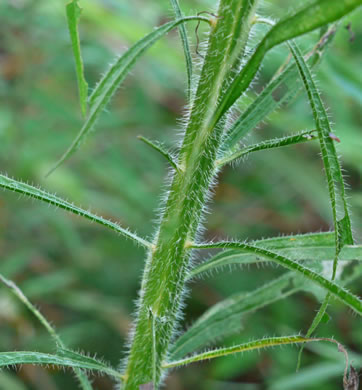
(211, 140)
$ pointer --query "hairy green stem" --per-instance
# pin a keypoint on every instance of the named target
(167, 266)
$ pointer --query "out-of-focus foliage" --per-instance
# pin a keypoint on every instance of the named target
(84, 278)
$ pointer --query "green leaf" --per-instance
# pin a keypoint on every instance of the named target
(63, 359)
(323, 239)
(250, 346)
(113, 78)
(321, 314)
(342, 224)
(225, 317)
(160, 149)
(337, 291)
(332, 167)
(285, 84)
(186, 46)
(21, 296)
(33, 192)
(314, 15)
(312, 253)
(304, 136)
(73, 12)
(290, 245)
(81, 376)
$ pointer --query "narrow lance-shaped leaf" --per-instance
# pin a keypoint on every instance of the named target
(341, 218)
(320, 239)
(160, 149)
(314, 246)
(342, 222)
(312, 253)
(302, 137)
(113, 78)
(33, 192)
(285, 85)
(186, 46)
(314, 15)
(81, 376)
(331, 287)
(226, 316)
(250, 346)
(73, 12)
(293, 243)
(67, 359)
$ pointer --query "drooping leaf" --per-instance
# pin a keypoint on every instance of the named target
(63, 359)
(331, 287)
(226, 316)
(312, 253)
(73, 12)
(289, 244)
(33, 192)
(113, 78)
(81, 376)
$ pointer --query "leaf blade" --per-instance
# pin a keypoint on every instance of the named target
(313, 253)
(113, 78)
(68, 360)
(81, 376)
(269, 144)
(253, 345)
(265, 103)
(225, 317)
(160, 149)
(33, 192)
(337, 291)
(314, 15)
(186, 46)
(331, 163)
(313, 240)
(335, 182)
(73, 12)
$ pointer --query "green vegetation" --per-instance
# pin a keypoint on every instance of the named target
(223, 107)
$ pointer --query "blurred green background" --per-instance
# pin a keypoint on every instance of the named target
(84, 278)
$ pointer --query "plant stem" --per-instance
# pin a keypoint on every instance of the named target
(167, 265)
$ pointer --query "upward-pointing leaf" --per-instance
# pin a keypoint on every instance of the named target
(185, 44)
(33, 192)
(314, 15)
(265, 103)
(73, 12)
(113, 78)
